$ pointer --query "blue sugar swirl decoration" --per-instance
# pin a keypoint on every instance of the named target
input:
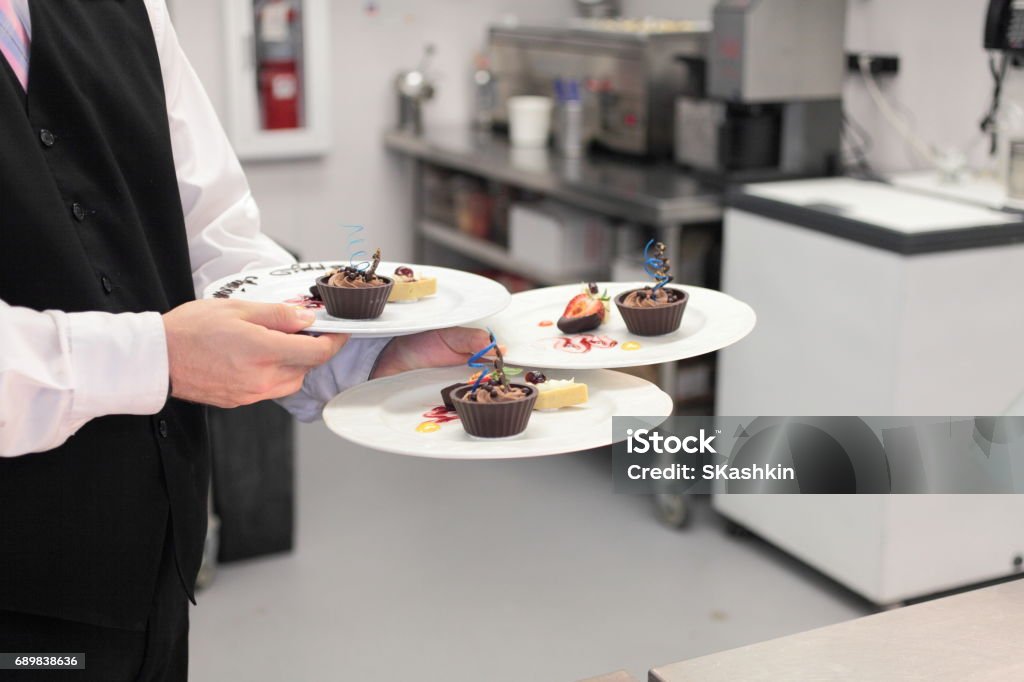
(475, 362)
(656, 266)
(358, 257)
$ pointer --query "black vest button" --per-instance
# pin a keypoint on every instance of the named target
(162, 428)
(47, 137)
(108, 286)
(78, 211)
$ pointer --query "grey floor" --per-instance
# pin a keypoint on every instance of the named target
(520, 571)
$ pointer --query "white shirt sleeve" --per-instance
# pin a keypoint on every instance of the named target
(221, 216)
(351, 366)
(59, 370)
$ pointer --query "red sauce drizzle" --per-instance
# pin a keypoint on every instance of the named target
(584, 343)
(441, 415)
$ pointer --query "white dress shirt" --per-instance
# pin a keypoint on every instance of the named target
(59, 370)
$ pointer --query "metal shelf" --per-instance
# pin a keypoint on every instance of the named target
(488, 252)
(658, 194)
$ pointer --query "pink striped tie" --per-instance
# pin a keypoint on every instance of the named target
(14, 42)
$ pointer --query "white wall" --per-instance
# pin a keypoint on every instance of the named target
(943, 83)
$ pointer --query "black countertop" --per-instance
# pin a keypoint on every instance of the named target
(841, 218)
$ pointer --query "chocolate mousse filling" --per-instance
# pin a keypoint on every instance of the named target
(496, 394)
(650, 298)
(351, 277)
(355, 280)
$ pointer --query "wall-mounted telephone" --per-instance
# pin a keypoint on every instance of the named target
(1004, 32)
(1004, 26)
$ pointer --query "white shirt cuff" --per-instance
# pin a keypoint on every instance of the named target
(352, 365)
(119, 363)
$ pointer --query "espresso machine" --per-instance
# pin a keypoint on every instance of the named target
(771, 105)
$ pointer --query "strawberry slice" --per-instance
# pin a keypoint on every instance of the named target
(582, 305)
(585, 311)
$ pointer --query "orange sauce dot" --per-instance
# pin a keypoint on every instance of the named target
(428, 427)
(545, 323)
(631, 345)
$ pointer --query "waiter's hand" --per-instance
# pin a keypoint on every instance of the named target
(439, 348)
(231, 353)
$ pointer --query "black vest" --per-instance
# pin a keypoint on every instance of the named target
(91, 219)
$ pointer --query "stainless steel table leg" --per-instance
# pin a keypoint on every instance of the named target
(419, 243)
(672, 509)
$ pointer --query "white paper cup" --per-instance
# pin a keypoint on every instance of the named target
(529, 120)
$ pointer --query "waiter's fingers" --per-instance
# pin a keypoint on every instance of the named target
(301, 350)
(334, 343)
(289, 381)
(466, 340)
(502, 347)
(276, 316)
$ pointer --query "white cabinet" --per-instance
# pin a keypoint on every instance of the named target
(877, 301)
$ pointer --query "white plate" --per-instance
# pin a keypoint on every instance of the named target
(712, 321)
(383, 414)
(461, 298)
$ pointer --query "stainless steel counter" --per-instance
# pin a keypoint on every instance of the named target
(640, 191)
(973, 636)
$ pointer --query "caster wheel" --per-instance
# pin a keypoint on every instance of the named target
(672, 509)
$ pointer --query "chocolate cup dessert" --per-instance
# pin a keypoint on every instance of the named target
(494, 420)
(654, 320)
(354, 303)
(446, 395)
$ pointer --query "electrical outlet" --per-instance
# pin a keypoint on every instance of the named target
(881, 64)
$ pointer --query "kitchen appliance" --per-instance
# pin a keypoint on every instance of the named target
(772, 105)
(414, 87)
(599, 8)
(631, 72)
(921, 252)
(483, 91)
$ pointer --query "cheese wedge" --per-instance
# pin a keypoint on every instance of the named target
(555, 394)
(412, 291)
